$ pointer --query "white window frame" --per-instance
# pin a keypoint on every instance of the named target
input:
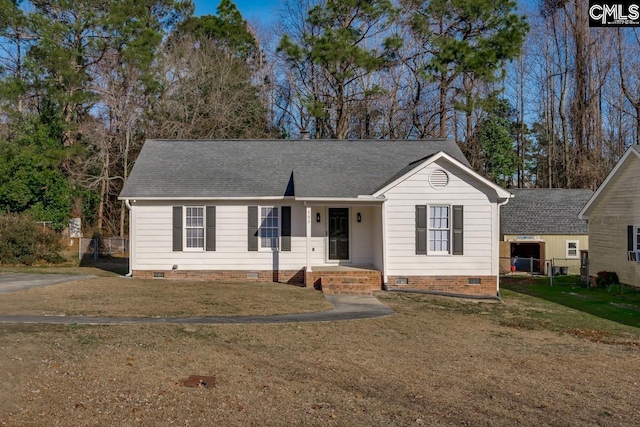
(278, 229)
(185, 227)
(449, 229)
(567, 249)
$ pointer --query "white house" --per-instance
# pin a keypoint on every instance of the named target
(340, 215)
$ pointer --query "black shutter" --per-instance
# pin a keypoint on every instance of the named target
(177, 228)
(210, 234)
(253, 228)
(285, 229)
(630, 238)
(458, 225)
(421, 230)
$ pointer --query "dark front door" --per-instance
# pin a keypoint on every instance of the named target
(338, 233)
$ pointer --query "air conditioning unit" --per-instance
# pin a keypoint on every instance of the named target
(633, 256)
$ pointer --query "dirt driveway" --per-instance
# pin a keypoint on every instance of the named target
(20, 281)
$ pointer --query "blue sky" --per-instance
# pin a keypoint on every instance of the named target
(266, 10)
(261, 10)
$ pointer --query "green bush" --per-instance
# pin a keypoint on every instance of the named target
(24, 241)
(606, 278)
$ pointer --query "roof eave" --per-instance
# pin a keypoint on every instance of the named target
(164, 198)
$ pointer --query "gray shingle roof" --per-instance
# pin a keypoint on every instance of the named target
(544, 211)
(263, 168)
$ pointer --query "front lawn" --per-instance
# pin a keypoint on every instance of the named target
(620, 305)
(436, 362)
(118, 296)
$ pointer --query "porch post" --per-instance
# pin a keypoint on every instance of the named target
(308, 211)
(385, 279)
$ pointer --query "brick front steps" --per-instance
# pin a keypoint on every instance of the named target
(346, 289)
(345, 281)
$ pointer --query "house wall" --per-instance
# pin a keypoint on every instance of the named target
(480, 258)
(153, 251)
(617, 207)
(555, 248)
(153, 237)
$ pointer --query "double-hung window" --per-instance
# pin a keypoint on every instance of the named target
(194, 227)
(269, 227)
(439, 229)
(572, 248)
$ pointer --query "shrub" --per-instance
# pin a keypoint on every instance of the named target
(606, 278)
(24, 241)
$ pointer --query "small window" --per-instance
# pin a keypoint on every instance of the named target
(269, 227)
(572, 248)
(194, 227)
(636, 237)
(439, 227)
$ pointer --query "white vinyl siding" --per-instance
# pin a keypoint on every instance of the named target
(153, 240)
(480, 224)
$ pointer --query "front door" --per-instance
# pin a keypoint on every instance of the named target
(338, 233)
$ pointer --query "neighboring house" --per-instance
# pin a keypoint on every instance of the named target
(613, 215)
(331, 214)
(542, 224)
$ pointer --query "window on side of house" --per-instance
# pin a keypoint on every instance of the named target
(637, 237)
(194, 227)
(269, 227)
(573, 246)
(439, 229)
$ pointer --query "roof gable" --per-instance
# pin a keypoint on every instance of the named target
(423, 163)
(274, 168)
(544, 211)
(633, 153)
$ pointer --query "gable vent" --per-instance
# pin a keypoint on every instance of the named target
(438, 179)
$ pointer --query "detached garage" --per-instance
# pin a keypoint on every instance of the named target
(541, 224)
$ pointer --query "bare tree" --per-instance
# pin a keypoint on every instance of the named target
(206, 94)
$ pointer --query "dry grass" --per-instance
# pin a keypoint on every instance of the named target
(103, 268)
(117, 296)
(438, 361)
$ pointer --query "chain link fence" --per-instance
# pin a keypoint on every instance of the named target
(98, 248)
(536, 266)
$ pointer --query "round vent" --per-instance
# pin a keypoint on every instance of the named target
(438, 179)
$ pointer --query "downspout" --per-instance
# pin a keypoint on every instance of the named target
(128, 205)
